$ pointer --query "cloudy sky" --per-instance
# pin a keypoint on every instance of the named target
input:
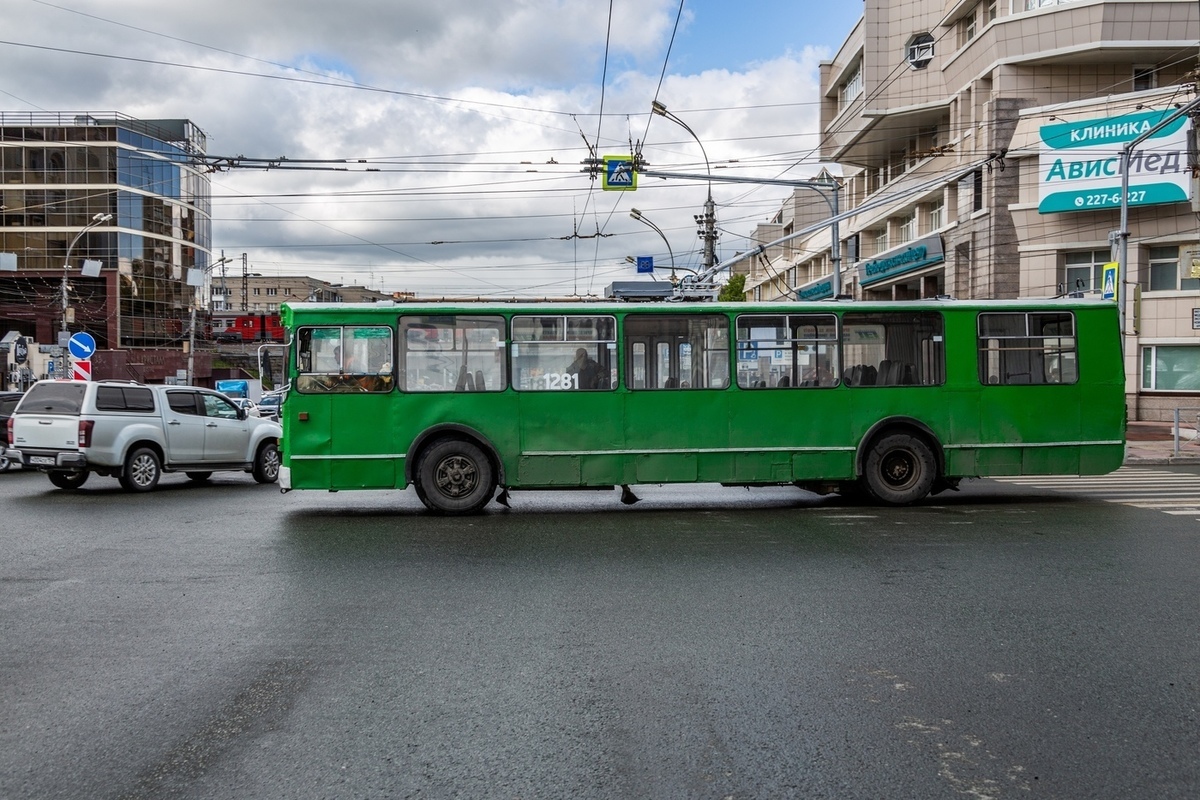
(461, 124)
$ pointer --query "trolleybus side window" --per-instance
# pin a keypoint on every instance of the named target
(552, 353)
(680, 351)
(1027, 347)
(893, 349)
(453, 353)
(787, 351)
(344, 358)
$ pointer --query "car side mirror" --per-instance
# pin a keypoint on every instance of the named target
(241, 413)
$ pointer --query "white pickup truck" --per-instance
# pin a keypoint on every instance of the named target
(136, 432)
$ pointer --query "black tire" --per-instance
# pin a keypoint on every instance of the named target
(198, 477)
(900, 469)
(6, 463)
(266, 463)
(852, 492)
(455, 477)
(142, 470)
(67, 480)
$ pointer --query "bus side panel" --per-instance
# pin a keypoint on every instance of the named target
(1035, 429)
(805, 437)
(363, 428)
(928, 405)
(962, 409)
(567, 437)
(492, 414)
(665, 429)
(307, 442)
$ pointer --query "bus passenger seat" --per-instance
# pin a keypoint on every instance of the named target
(480, 386)
(885, 373)
(461, 385)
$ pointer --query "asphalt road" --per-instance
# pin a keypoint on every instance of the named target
(228, 641)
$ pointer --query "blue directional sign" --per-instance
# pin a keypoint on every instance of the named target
(82, 346)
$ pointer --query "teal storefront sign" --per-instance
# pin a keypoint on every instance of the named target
(816, 290)
(913, 256)
(1079, 165)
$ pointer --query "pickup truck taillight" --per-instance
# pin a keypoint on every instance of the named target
(85, 432)
(8, 432)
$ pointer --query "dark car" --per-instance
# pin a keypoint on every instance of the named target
(8, 401)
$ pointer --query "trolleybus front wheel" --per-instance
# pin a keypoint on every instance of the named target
(455, 477)
(900, 469)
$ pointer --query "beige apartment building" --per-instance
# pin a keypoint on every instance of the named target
(982, 140)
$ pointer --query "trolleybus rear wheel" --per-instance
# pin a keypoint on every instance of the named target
(900, 469)
(455, 477)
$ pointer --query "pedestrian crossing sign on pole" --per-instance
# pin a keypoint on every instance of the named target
(619, 175)
(1109, 281)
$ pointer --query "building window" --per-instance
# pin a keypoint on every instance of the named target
(992, 10)
(937, 214)
(968, 26)
(1174, 368)
(908, 227)
(881, 241)
(256, 291)
(974, 182)
(851, 88)
(920, 50)
(1163, 273)
(1144, 78)
(272, 292)
(1083, 270)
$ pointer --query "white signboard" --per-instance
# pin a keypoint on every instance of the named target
(1079, 168)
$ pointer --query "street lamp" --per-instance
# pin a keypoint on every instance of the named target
(709, 221)
(99, 219)
(191, 362)
(633, 212)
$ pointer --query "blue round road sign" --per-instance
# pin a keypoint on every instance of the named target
(82, 346)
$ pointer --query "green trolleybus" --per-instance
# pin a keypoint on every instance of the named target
(890, 400)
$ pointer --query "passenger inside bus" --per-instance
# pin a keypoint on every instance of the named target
(587, 368)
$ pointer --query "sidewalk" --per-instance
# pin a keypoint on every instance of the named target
(1153, 443)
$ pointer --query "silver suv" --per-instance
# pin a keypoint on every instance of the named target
(135, 432)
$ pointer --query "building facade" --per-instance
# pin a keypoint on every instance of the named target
(980, 142)
(126, 277)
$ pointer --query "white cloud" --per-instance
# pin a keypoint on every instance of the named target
(525, 76)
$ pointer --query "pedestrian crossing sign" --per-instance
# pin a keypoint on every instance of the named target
(1109, 290)
(619, 175)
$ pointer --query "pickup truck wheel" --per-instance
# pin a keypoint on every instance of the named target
(67, 480)
(266, 463)
(198, 477)
(142, 470)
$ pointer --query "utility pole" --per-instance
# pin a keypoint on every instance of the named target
(191, 360)
(708, 231)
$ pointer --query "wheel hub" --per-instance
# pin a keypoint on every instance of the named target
(456, 476)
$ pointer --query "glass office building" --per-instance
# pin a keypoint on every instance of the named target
(58, 171)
